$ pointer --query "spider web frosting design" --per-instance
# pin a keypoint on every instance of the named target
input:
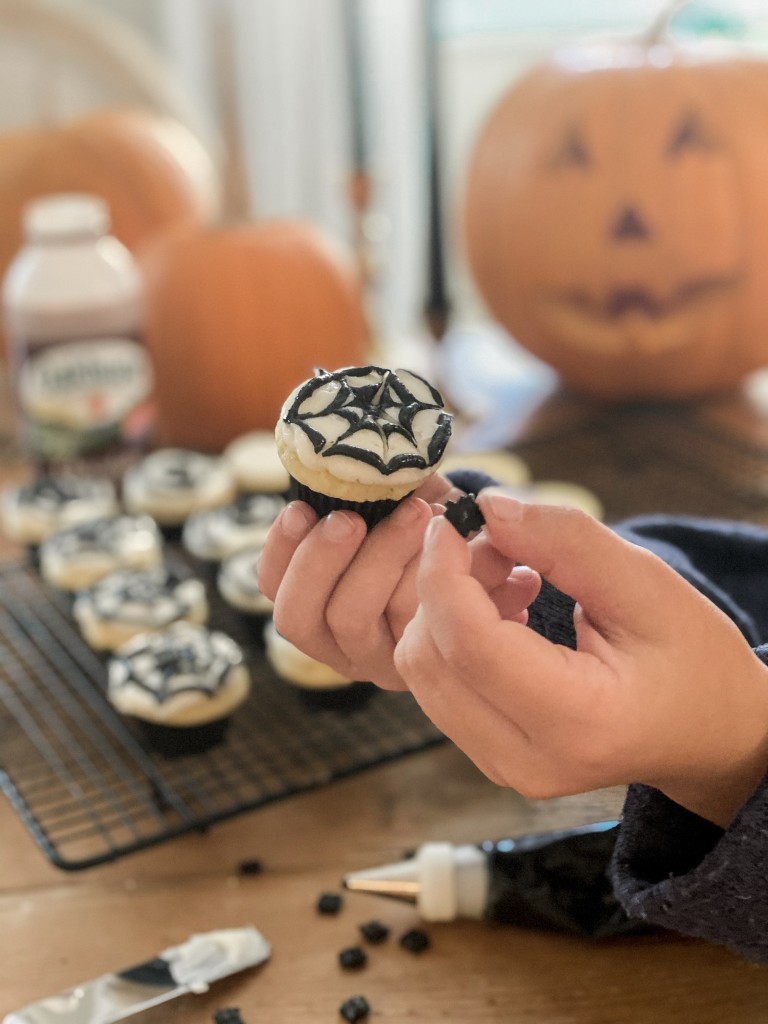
(389, 419)
(181, 659)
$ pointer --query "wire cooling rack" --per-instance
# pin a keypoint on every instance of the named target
(89, 791)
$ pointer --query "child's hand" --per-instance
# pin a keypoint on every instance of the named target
(663, 688)
(345, 596)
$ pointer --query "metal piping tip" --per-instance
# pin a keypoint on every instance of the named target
(395, 889)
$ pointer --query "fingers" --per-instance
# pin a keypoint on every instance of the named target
(621, 587)
(313, 571)
(483, 649)
(288, 530)
(368, 610)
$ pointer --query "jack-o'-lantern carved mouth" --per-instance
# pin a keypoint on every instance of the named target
(621, 301)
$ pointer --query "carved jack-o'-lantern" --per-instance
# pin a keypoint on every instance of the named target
(616, 216)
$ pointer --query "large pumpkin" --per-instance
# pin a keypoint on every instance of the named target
(152, 171)
(616, 215)
(236, 316)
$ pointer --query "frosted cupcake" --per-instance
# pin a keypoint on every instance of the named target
(133, 601)
(292, 665)
(255, 464)
(182, 684)
(361, 438)
(172, 483)
(77, 556)
(32, 511)
(237, 583)
(219, 532)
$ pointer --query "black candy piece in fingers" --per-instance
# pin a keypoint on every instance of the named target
(464, 514)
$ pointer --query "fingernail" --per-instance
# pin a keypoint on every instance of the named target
(409, 512)
(295, 520)
(501, 506)
(339, 525)
(523, 573)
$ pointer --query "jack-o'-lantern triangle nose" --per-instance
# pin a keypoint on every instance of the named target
(629, 227)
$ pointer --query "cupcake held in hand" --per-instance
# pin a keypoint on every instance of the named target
(361, 438)
(182, 684)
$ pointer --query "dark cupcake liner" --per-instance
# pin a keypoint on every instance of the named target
(345, 698)
(180, 740)
(371, 511)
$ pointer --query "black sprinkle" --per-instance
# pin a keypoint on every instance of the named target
(374, 932)
(415, 941)
(352, 958)
(354, 1008)
(228, 1015)
(329, 903)
(464, 515)
(250, 867)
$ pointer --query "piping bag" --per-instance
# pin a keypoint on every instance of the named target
(188, 968)
(557, 881)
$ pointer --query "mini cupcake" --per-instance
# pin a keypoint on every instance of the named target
(255, 464)
(237, 584)
(215, 534)
(172, 483)
(77, 556)
(32, 511)
(361, 438)
(181, 684)
(133, 601)
(319, 685)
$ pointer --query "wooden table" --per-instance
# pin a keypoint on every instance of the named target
(60, 928)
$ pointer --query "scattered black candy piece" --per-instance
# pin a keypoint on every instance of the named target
(355, 1008)
(464, 515)
(374, 932)
(415, 940)
(329, 903)
(228, 1015)
(352, 958)
(250, 867)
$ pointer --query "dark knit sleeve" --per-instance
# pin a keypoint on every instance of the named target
(676, 870)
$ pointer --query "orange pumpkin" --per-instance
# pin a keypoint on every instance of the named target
(237, 316)
(152, 171)
(616, 215)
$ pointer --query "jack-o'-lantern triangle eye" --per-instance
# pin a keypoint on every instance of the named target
(689, 135)
(573, 151)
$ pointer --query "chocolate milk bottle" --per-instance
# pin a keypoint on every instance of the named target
(72, 310)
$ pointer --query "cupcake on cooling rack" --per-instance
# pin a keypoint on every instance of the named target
(77, 556)
(181, 684)
(255, 464)
(32, 511)
(215, 534)
(124, 604)
(172, 483)
(361, 438)
(237, 583)
(319, 685)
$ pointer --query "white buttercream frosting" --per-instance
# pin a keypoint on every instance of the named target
(367, 425)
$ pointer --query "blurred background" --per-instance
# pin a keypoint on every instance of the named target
(357, 116)
(300, 93)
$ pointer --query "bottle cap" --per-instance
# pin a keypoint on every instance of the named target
(66, 215)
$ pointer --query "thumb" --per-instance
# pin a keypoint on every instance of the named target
(615, 582)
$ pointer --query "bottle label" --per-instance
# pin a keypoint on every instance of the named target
(82, 397)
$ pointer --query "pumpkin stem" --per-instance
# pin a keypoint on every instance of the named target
(659, 29)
